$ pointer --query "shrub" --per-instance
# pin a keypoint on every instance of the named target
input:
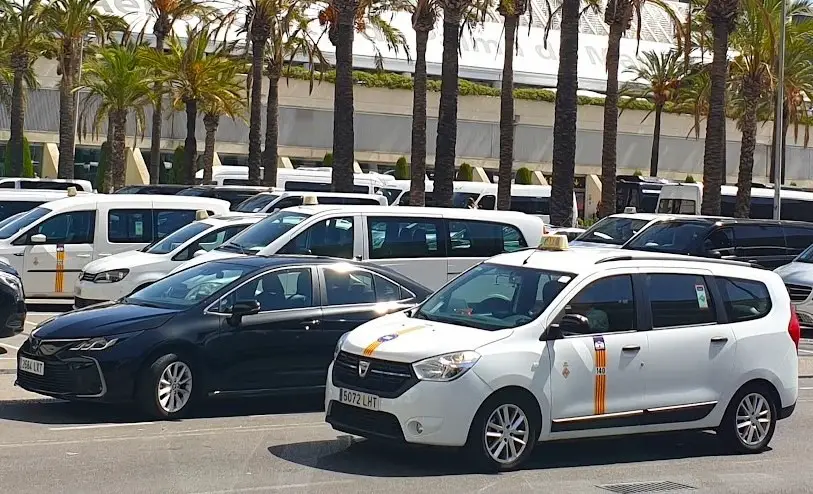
(28, 163)
(327, 160)
(104, 162)
(523, 176)
(402, 171)
(176, 175)
(637, 173)
(689, 179)
(466, 173)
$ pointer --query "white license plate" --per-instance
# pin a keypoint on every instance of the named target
(32, 366)
(361, 400)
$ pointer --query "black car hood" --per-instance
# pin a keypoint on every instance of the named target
(104, 320)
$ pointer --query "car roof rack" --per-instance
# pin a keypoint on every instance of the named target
(679, 258)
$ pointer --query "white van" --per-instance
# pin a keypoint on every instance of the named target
(688, 198)
(299, 179)
(59, 238)
(429, 245)
(45, 184)
(13, 201)
(269, 202)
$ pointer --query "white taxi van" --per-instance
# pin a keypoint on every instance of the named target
(571, 343)
(114, 277)
(53, 242)
(428, 245)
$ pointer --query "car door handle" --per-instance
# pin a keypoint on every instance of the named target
(19, 254)
(719, 339)
(105, 254)
(631, 348)
(83, 256)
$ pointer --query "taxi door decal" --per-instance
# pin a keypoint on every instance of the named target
(370, 349)
(600, 359)
(59, 279)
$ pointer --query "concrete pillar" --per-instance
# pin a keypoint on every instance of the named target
(479, 175)
(50, 160)
(592, 195)
(537, 178)
(137, 173)
(285, 162)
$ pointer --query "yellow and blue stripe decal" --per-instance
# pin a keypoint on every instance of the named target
(371, 348)
(59, 280)
(600, 358)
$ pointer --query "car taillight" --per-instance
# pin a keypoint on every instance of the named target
(794, 328)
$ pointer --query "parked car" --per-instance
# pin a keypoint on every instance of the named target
(798, 278)
(233, 194)
(13, 201)
(237, 327)
(45, 184)
(154, 189)
(12, 301)
(615, 230)
(269, 202)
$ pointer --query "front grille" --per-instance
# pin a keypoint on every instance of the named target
(80, 303)
(63, 377)
(85, 276)
(798, 293)
(384, 378)
(365, 423)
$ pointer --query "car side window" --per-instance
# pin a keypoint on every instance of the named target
(482, 239)
(76, 227)
(679, 300)
(345, 287)
(394, 238)
(798, 238)
(169, 220)
(209, 241)
(759, 240)
(332, 237)
(277, 290)
(607, 303)
(129, 226)
(721, 240)
(386, 290)
(487, 202)
(744, 300)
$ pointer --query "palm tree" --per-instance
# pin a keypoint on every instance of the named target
(192, 76)
(424, 17)
(72, 21)
(618, 15)
(722, 15)
(117, 84)
(511, 10)
(166, 13)
(25, 38)
(227, 99)
(663, 74)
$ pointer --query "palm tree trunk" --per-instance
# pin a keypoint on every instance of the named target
(67, 110)
(785, 127)
(19, 64)
(507, 116)
(343, 133)
(210, 122)
(190, 144)
(749, 133)
(609, 144)
(714, 162)
(446, 143)
(656, 142)
(271, 132)
(417, 188)
(157, 114)
(255, 122)
(564, 126)
(118, 161)
(107, 185)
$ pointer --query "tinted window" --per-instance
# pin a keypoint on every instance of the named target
(613, 230)
(7, 185)
(798, 238)
(464, 199)
(129, 226)
(608, 304)
(14, 225)
(209, 241)
(676, 206)
(175, 240)
(744, 299)
(387, 291)
(256, 203)
(45, 185)
(320, 187)
(277, 290)
(482, 239)
(722, 240)
(236, 181)
(197, 192)
(190, 286)
(76, 227)
(349, 287)
(10, 208)
(759, 240)
(391, 194)
(531, 205)
(233, 197)
(391, 238)
(262, 233)
(677, 237)
(287, 202)
(332, 237)
(679, 300)
(494, 297)
(487, 202)
(170, 220)
(368, 201)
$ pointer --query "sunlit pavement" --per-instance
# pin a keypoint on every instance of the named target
(284, 446)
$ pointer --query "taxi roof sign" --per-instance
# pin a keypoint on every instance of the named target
(630, 210)
(201, 214)
(553, 242)
(71, 191)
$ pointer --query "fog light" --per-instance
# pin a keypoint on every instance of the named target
(418, 428)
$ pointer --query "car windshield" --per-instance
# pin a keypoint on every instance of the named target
(805, 256)
(256, 204)
(493, 297)
(391, 194)
(11, 208)
(464, 199)
(615, 231)
(673, 237)
(177, 238)
(7, 230)
(256, 237)
(194, 191)
(190, 286)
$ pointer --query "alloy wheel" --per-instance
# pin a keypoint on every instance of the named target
(175, 387)
(753, 419)
(506, 433)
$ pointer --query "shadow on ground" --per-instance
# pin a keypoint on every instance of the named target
(57, 412)
(368, 458)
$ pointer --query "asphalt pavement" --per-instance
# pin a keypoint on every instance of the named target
(284, 446)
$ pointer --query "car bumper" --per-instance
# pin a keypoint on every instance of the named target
(12, 318)
(90, 293)
(442, 411)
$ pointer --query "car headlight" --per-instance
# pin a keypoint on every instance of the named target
(95, 344)
(113, 276)
(339, 344)
(445, 367)
(14, 282)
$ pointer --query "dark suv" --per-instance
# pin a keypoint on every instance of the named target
(768, 243)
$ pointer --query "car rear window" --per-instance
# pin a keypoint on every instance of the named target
(744, 300)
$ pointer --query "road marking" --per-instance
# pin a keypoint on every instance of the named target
(6, 345)
(97, 426)
(809, 352)
(807, 388)
(278, 487)
(32, 323)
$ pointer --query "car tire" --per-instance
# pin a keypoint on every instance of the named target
(750, 411)
(168, 387)
(493, 452)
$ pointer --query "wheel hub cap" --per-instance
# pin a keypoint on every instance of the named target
(175, 387)
(506, 433)
(753, 419)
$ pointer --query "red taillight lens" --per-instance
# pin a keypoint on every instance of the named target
(794, 328)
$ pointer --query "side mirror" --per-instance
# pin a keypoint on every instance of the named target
(716, 254)
(243, 308)
(199, 253)
(38, 238)
(570, 323)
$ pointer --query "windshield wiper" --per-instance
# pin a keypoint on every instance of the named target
(234, 248)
